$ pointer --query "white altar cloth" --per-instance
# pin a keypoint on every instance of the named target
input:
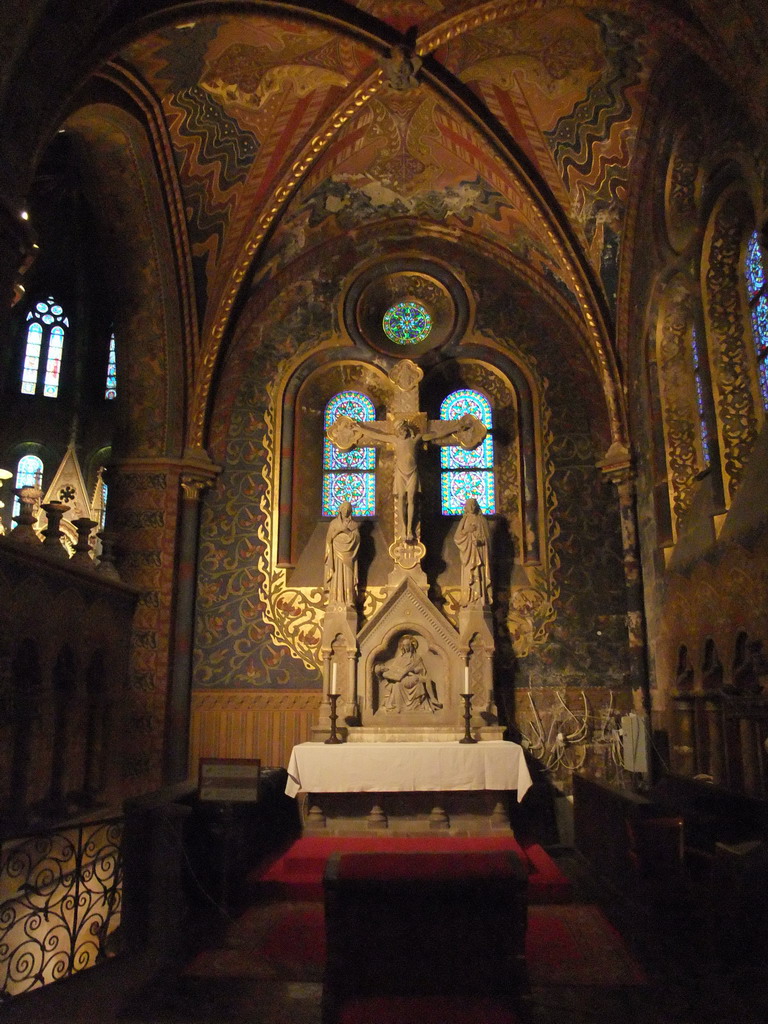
(405, 767)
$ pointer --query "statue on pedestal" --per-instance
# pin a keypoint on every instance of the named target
(406, 680)
(473, 539)
(342, 543)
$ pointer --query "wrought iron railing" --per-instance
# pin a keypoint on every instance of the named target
(60, 898)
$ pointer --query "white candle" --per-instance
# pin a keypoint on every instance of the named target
(466, 679)
(334, 668)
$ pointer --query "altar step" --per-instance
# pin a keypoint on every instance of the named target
(298, 874)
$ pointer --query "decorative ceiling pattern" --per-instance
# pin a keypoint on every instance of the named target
(569, 87)
(239, 96)
(511, 124)
(409, 155)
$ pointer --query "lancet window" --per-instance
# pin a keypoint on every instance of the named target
(44, 349)
(467, 474)
(700, 384)
(349, 476)
(110, 390)
(757, 289)
(29, 473)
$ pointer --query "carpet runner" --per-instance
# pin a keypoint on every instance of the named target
(298, 874)
(573, 944)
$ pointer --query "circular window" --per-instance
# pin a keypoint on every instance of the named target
(407, 323)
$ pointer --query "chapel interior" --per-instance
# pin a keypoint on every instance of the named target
(225, 223)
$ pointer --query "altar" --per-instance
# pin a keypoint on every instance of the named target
(407, 786)
(408, 735)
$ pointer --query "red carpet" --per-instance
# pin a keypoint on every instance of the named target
(577, 945)
(565, 945)
(298, 874)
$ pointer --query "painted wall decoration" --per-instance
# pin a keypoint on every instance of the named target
(561, 617)
(411, 156)
(238, 97)
(569, 86)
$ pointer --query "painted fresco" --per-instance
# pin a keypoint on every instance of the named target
(408, 155)
(255, 632)
(238, 97)
(569, 86)
(234, 641)
(242, 97)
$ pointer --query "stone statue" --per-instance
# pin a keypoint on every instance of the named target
(342, 543)
(473, 539)
(406, 679)
(403, 437)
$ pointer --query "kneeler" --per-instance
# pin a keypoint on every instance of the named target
(419, 937)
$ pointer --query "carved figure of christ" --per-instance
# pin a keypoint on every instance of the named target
(403, 436)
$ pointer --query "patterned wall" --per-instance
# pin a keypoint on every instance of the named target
(235, 646)
(143, 513)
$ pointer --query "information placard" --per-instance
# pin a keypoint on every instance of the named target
(229, 779)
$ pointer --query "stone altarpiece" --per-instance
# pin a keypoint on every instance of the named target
(400, 676)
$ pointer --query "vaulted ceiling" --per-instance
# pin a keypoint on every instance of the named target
(277, 126)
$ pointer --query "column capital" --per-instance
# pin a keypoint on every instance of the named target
(617, 464)
(198, 473)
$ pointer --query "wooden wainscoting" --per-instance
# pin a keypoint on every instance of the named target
(245, 723)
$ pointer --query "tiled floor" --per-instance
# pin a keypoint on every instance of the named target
(692, 979)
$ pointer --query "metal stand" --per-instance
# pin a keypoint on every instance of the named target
(334, 737)
(468, 737)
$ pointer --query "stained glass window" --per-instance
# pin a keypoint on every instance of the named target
(44, 347)
(467, 474)
(103, 507)
(111, 388)
(698, 376)
(29, 473)
(349, 476)
(407, 323)
(758, 304)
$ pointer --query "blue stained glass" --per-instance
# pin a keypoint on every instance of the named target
(760, 334)
(349, 475)
(358, 407)
(29, 473)
(755, 274)
(111, 385)
(407, 323)
(760, 321)
(457, 488)
(456, 405)
(467, 474)
(699, 380)
(359, 489)
(754, 268)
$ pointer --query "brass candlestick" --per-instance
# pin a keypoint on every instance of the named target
(468, 737)
(334, 737)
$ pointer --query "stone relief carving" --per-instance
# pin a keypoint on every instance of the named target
(403, 681)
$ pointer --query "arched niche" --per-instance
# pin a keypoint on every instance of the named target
(731, 354)
(113, 149)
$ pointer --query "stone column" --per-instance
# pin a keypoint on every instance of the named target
(617, 467)
(684, 747)
(749, 739)
(193, 482)
(713, 714)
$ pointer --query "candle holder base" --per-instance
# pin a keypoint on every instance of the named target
(334, 737)
(467, 737)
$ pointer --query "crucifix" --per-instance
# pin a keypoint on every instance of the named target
(402, 432)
